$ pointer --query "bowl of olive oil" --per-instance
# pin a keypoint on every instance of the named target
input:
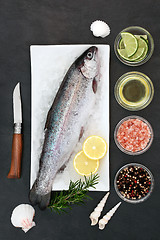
(134, 91)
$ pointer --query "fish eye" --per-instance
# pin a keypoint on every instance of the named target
(89, 55)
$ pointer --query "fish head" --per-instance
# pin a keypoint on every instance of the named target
(87, 63)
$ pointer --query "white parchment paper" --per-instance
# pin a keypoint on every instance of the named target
(48, 67)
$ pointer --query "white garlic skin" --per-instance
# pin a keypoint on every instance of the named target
(100, 28)
(22, 217)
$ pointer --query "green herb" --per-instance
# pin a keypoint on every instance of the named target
(76, 194)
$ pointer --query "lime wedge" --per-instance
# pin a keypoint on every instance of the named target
(122, 52)
(140, 50)
(145, 45)
(142, 42)
(136, 56)
(139, 36)
(130, 43)
(140, 53)
(121, 44)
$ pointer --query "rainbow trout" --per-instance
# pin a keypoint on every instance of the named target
(66, 117)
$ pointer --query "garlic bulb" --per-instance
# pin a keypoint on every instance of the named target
(107, 217)
(22, 216)
(100, 29)
(97, 211)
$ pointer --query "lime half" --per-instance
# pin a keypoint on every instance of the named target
(130, 43)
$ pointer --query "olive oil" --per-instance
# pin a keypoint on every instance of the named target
(134, 91)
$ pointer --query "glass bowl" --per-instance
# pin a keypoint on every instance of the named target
(134, 183)
(135, 140)
(135, 30)
(138, 89)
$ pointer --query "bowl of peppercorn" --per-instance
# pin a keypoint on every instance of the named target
(134, 183)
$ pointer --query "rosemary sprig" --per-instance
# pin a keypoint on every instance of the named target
(76, 194)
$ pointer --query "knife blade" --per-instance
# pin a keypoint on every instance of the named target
(15, 169)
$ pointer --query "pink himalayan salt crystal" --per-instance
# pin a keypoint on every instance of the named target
(133, 135)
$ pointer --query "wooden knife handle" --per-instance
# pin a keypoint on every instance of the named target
(15, 170)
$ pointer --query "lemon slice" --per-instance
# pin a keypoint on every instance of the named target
(95, 147)
(84, 165)
(130, 43)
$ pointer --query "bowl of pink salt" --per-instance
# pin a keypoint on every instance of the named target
(133, 135)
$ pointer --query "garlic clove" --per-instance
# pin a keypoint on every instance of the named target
(22, 216)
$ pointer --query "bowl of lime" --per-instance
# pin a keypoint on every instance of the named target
(134, 46)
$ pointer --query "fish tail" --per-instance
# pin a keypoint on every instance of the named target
(41, 200)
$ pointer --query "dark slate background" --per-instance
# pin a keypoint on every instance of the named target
(23, 23)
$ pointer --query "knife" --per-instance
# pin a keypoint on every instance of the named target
(15, 169)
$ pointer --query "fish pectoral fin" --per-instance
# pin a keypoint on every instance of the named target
(48, 118)
(62, 168)
(94, 85)
(81, 133)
